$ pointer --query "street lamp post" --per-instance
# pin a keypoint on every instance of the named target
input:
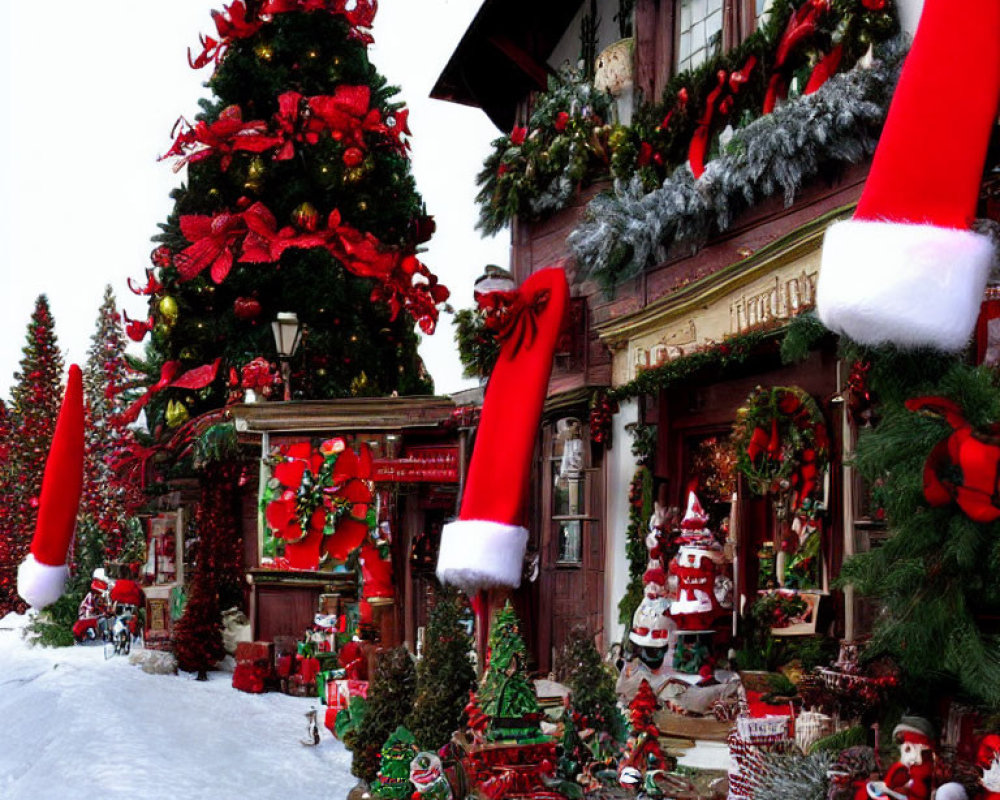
(287, 333)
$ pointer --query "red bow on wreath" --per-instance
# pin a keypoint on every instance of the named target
(964, 467)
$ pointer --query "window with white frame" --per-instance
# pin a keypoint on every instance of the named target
(699, 33)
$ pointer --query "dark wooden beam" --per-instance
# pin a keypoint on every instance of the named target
(522, 59)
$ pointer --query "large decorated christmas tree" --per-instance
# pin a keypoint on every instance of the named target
(36, 396)
(298, 198)
(506, 695)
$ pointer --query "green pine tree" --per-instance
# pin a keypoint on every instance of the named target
(36, 397)
(592, 687)
(390, 697)
(445, 674)
(935, 578)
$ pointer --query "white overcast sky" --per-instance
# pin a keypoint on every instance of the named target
(88, 95)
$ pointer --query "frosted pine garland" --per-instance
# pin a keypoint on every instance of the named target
(628, 230)
(794, 776)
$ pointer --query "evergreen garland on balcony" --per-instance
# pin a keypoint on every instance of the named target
(630, 229)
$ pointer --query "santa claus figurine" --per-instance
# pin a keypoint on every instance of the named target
(910, 777)
(695, 567)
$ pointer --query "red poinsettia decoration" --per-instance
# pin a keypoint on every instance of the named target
(320, 506)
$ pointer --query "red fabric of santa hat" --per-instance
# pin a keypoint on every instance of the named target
(485, 546)
(907, 269)
(41, 577)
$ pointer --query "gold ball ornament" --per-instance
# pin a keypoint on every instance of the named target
(176, 414)
(161, 331)
(256, 170)
(168, 309)
(362, 205)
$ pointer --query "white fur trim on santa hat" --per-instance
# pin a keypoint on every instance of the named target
(480, 554)
(40, 584)
(912, 285)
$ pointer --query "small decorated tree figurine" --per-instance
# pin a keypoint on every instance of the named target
(643, 739)
(393, 781)
(505, 695)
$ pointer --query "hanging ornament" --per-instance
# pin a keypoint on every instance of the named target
(161, 330)
(353, 156)
(255, 174)
(306, 217)
(177, 414)
(264, 51)
(246, 308)
(362, 205)
(354, 175)
(168, 309)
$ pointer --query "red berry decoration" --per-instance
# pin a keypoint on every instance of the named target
(246, 308)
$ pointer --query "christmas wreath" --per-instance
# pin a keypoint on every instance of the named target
(317, 503)
(781, 442)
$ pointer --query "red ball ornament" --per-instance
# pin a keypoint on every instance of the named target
(246, 308)
(353, 156)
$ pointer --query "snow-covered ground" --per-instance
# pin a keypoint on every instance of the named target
(74, 726)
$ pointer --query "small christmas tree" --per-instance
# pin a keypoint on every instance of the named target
(390, 697)
(198, 636)
(36, 397)
(579, 665)
(505, 694)
(393, 781)
(573, 753)
(445, 674)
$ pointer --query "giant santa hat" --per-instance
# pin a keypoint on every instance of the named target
(907, 269)
(41, 577)
(485, 546)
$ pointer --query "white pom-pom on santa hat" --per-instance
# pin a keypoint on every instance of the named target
(908, 269)
(41, 577)
(485, 546)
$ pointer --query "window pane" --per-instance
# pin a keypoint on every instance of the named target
(570, 542)
(699, 28)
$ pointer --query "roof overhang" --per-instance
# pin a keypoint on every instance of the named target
(354, 414)
(502, 56)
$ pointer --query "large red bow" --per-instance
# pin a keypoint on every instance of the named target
(974, 453)
(227, 135)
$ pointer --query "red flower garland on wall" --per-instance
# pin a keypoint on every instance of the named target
(317, 502)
